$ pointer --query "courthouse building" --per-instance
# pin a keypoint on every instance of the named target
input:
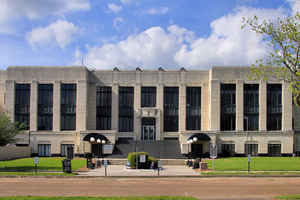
(154, 110)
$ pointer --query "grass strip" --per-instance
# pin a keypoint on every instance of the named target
(289, 197)
(34, 174)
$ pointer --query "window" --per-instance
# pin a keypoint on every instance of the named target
(251, 149)
(126, 97)
(228, 149)
(171, 99)
(45, 106)
(44, 150)
(64, 149)
(251, 107)
(22, 104)
(148, 97)
(68, 106)
(103, 102)
(227, 107)
(193, 108)
(274, 107)
(274, 149)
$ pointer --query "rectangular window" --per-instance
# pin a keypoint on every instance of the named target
(251, 149)
(44, 150)
(45, 107)
(68, 106)
(126, 98)
(171, 102)
(64, 149)
(148, 96)
(103, 103)
(228, 149)
(193, 108)
(251, 107)
(274, 106)
(228, 107)
(22, 104)
(274, 149)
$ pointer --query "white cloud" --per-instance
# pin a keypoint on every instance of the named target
(125, 1)
(114, 7)
(295, 6)
(32, 9)
(157, 11)
(177, 46)
(62, 32)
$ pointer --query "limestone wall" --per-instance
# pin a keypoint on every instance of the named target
(13, 152)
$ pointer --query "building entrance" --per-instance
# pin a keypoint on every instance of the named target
(197, 150)
(148, 129)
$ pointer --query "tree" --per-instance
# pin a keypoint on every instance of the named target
(282, 62)
(8, 130)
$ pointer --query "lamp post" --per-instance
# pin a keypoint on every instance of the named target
(102, 143)
(189, 143)
(195, 139)
(98, 144)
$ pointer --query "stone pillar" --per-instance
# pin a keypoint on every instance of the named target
(287, 107)
(215, 105)
(34, 106)
(262, 106)
(115, 107)
(137, 107)
(10, 88)
(56, 106)
(160, 106)
(81, 105)
(239, 105)
(182, 108)
(92, 107)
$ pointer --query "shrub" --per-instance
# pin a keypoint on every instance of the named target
(136, 155)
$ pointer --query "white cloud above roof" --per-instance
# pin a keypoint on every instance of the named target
(114, 7)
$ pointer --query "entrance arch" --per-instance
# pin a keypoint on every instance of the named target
(198, 141)
(96, 147)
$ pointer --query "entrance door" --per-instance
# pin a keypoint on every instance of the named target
(197, 150)
(148, 129)
(97, 150)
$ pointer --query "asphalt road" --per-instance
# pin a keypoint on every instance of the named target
(201, 188)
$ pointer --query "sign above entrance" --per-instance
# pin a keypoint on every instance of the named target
(148, 112)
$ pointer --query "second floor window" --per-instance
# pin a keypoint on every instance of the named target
(193, 108)
(148, 96)
(103, 102)
(45, 106)
(22, 104)
(126, 100)
(228, 107)
(251, 107)
(171, 102)
(274, 107)
(68, 106)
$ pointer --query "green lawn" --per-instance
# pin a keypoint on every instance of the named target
(287, 197)
(98, 198)
(257, 164)
(47, 164)
(35, 174)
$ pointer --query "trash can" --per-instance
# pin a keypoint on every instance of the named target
(66, 165)
(196, 163)
(99, 163)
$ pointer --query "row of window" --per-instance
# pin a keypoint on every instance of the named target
(44, 150)
(148, 99)
(252, 149)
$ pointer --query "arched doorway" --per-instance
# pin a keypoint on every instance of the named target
(197, 142)
(97, 141)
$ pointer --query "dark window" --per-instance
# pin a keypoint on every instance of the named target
(228, 149)
(274, 106)
(274, 149)
(45, 106)
(68, 106)
(44, 150)
(103, 101)
(251, 149)
(22, 104)
(193, 108)
(227, 107)
(251, 107)
(171, 99)
(126, 97)
(148, 97)
(64, 149)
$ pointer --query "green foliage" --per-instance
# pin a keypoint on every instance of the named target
(133, 156)
(282, 62)
(287, 197)
(8, 130)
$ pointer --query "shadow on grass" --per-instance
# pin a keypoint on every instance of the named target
(29, 168)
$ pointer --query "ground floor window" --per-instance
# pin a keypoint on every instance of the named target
(44, 149)
(64, 149)
(274, 149)
(228, 149)
(251, 149)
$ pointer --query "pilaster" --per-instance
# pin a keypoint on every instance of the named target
(215, 99)
(33, 106)
(137, 107)
(56, 105)
(160, 106)
(262, 106)
(182, 108)
(81, 105)
(115, 107)
(10, 92)
(239, 105)
(287, 107)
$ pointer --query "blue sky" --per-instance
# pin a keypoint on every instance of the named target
(103, 34)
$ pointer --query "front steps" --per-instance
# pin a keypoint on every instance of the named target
(116, 161)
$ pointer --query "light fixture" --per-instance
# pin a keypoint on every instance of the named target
(103, 141)
(92, 139)
(195, 139)
(98, 140)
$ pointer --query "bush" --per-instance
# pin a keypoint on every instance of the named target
(136, 155)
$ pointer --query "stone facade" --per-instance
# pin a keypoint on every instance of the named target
(208, 80)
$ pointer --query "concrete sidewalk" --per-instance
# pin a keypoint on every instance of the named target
(120, 170)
